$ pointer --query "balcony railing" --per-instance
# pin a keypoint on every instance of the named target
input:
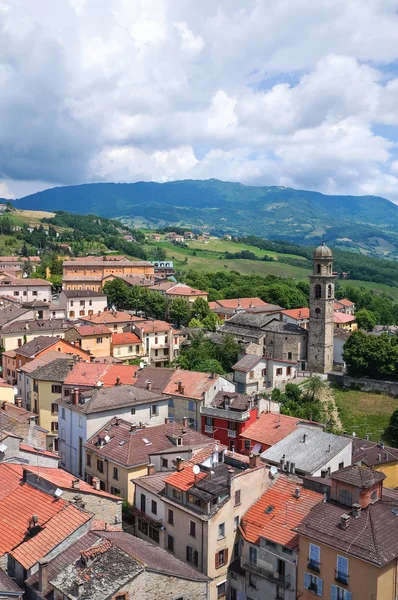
(232, 433)
(229, 415)
(157, 523)
(258, 569)
(341, 577)
(314, 565)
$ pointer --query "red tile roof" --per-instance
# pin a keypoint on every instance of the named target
(185, 479)
(271, 428)
(184, 290)
(125, 373)
(63, 480)
(26, 448)
(125, 338)
(55, 531)
(343, 318)
(10, 478)
(242, 302)
(298, 313)
(153, 326)
(108, 317)
(193, 382)
(346, 302)
(288, 511)
(87, 330)
(89, 374)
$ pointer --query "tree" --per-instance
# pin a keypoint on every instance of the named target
(200, 308)
(156, 305)
(228, 351)
(366, 319)
(393, 428)
(195, 323)
(313, 386)
(117, 292)
(27, 268)
(211, 321)
(25, 251)
(371, 355)
(179, 311)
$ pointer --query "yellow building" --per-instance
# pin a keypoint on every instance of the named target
(377, 456)
(345, 321)
(348, 546)
(91, 272)
(95, 339)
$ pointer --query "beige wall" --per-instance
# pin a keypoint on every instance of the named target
(123, 351)
(89, 343)
(7, 393)
(123, 483)
(44, 397)
(10, 341)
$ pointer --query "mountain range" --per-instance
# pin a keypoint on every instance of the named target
(365, 223)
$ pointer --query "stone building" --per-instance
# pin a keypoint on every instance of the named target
(321, 323)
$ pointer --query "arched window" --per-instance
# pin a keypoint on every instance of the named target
(330, 291)
(318, 291)
(317, 312)
(319, 268)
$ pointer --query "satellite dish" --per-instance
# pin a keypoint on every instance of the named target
(58, 493)
(196, 469)
(107, 438)
(273, 470)
(3, 447)
(142, 365)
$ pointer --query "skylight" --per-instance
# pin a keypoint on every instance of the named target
(147, 442)
(269, 509)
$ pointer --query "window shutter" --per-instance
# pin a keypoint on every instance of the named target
(315, 553)
(196, 557)
(307, 580)
(226, 556)
(187, 553)
(334, 593)
(342, 564)
(217, 561)
(348, 596)
(320, 586)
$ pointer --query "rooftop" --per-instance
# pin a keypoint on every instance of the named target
(37, 345)
(152, 326)
(371, 453)
(180, 289)
(64, 480)
(33, 326)
(119, 339)
(247, 362)
(232, 401)
(90, 330)
(239, 303)
(42, 360)
(308, 447)
(275, 515)
(360, 477)
(270, 428)
(10, 281)
(346, 302)
(110, 317)
(108, 398)
(130, 446)
(90, 374)
(83, 294)
(343, 318)
(297, 313)
(56, 370)
(11, 312)
(192, 384)
(158, 376)
(8, 585)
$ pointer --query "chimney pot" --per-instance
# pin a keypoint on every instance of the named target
(18, 401)
(185, 421)
(356, 510)
(344, 521)
(75, 397)
(76, 484)
(118, 380)
(297, 492)
(167, 420)
(254, 460)
(43, 576)
(96, 483)
(179, 463)
(151, 469)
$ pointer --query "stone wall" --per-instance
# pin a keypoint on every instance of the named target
(149, 585)
(372, 385)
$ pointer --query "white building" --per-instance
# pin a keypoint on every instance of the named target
(254, 373)
(82, 303)
(82, 414)
(25, 289)
(160, 343)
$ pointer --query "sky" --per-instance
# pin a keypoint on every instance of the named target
(297, 93)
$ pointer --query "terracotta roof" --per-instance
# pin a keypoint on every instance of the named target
(153, 483)
(9, 353)
(61, 526)
(10, 475)
(46, 358)
(89, 330)
(346, 302)
(118, 339)
(89, 374)
(27, 448)
(343, 318)
(158, 376)
(194, 383)
(119, 374)
(17, 282)
(152, 326)
(337, 305)
(184, 290)
(240, 302)
(271, 428)
(108, 317)
(186, 478)
(17, 412)
(105, 261)
(360, 477)
(278, 512)
(64, 480)
(199, 456)
(37, 326)
(131, 447)
(297, 313)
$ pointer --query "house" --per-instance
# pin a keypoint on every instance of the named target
(116, 320)
(309, 451)
(254, 373)
(228, 416)
(297, 316)
(344, 305)
(83, 413)
(14, 335)
(225, 309)
(117, 565)
(187, 293)
(126, 346)
(33, 524)
(95, 339)
(158, 342)
(82, 303)
(348, 545)
(376, 456)
(189, 235)
(89, 273)
(25, 289)
(340, 336)
(163, 268)
(85, 376)
(270, 545)
(42, 344)
(156, 237)
(9, 590)
(202, 504)
(15, 451)
(119, 452)
(227, 236)
(345, 321)
(9, 362)
(269, 429)
(187, 391)
(22, 424)
(105, 507)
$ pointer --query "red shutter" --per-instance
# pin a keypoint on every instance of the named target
(217, 561)
(226, 556)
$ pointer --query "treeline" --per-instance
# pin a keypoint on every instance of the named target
(371, 355)
(247, 255)
(382, 308)
(276, 290)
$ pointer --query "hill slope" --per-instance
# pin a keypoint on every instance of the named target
(366, 223)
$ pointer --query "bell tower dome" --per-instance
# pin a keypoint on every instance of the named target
(321, 322)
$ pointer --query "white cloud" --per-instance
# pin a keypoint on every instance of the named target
(288, 92)
(5, 192)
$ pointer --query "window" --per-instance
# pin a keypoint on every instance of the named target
(237, 497)
(90, 302)
(100, 466)
(164, 463)
(115, 491)
(270, 544)
(236, 522)
(289, 371)
(154, 507)
(345, 497)
(247, 445)
(16, 293)
(341, 466)
(236, 550)
(221, 530)
(99, 340)
(221, 558)
(330, 291)
(56, 389)
(130, 348)
(314, 559)
(63, 414)
(177, 495)
(279, 371)
(252, 581)
(191, 405)
(121, 597)
(154, 410)
(342, 569)
(318, 291)
(34, 293)
(115, 473)
(192, 556)
(133, 411)
(289, 356)
(170, 517)
(88, 460)
(280, 593)
(143, 526)
(156, 340)
(170, 543)
(54, 408)
(253, 555)
(54, 426)
(373, 496)
(221, 591)
(339, 593)
(287, 550)
(192, 529)
(143, 502)
(19, 342)
(313, 583)
(156, 352)
(171, 403)
(319, 268)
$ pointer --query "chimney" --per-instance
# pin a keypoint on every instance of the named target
(179, 386)
(344, 521)
(292, 467)
(287, 466)
(148, 385)
(18, 401)
(150, 469)
(167, 420)
(76, 484)
(78, 588)
(43, 576)
(4, 404)
(297, 493)
(75, 397)
(282, 463)
(304, 438)
(179, 463)
(254, 460)
(185, 421)
(118, 380)
(182, 389)
(96, 483)
(356, 510)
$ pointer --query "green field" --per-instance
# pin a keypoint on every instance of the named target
(365, 413)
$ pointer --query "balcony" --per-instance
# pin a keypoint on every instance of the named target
(232, 433)
(209, 428)
(341, 577)
(314, 565)
(283, 580)
(228, 415)
(157, 523)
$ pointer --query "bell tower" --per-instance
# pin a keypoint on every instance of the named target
(321, 323)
